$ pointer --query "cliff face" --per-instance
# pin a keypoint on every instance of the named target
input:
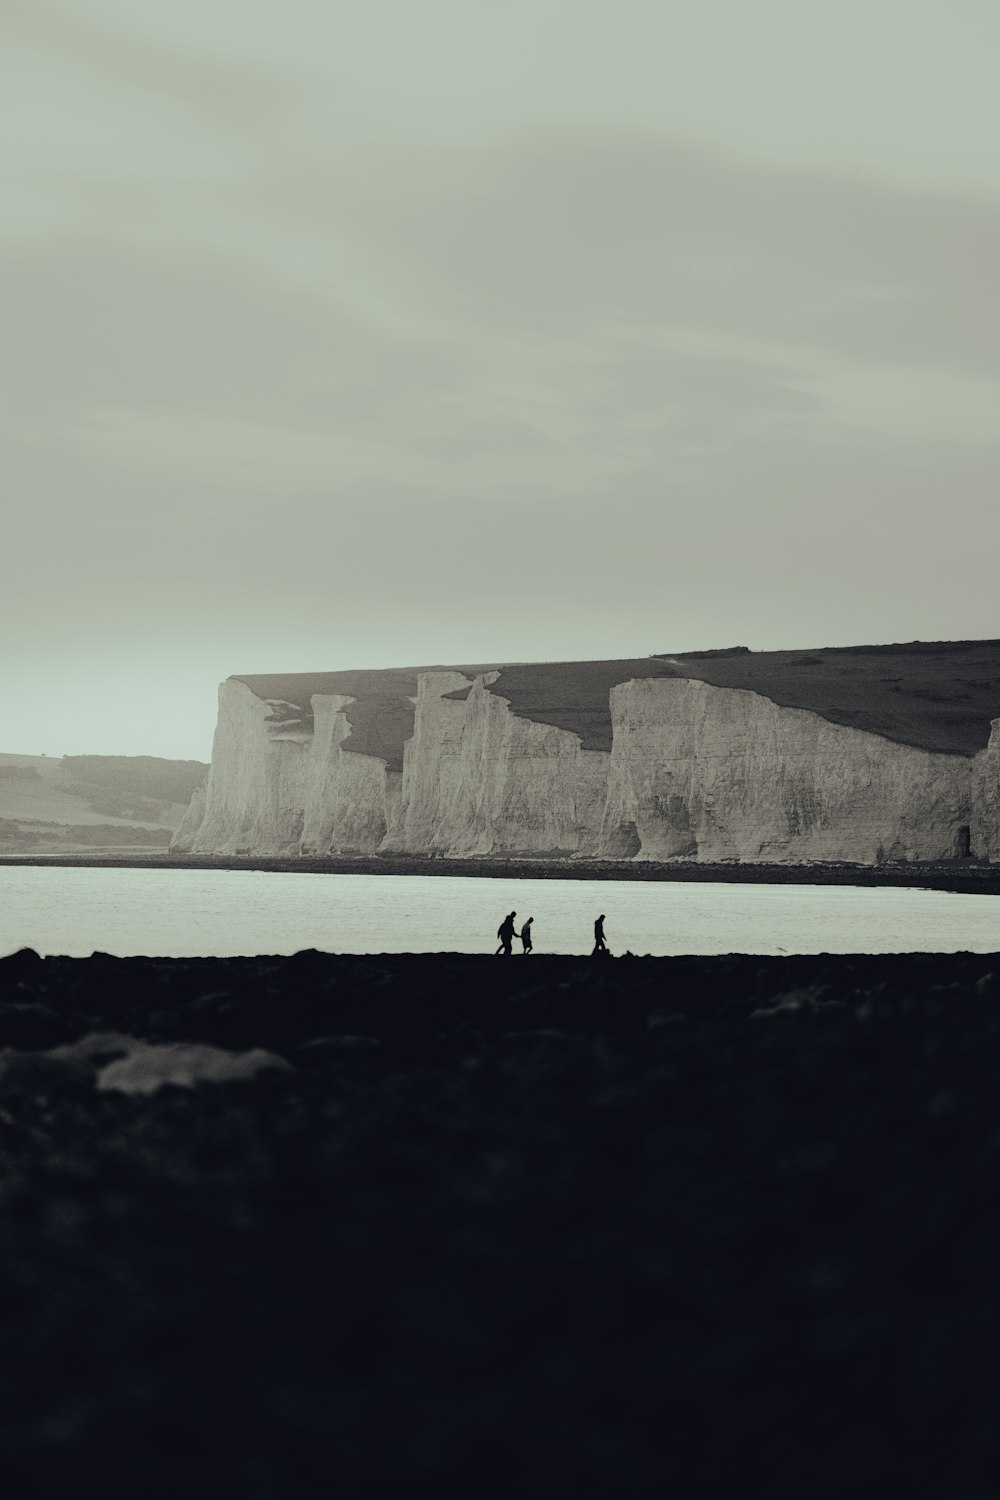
(183, 840)
(710, 773)
(255, 795)
(695, 771)
(350, 802)
(986, 828)
(432, 761)
(478, 780)
(275, 788)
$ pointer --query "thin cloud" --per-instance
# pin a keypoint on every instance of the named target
(223, 91)
(560, 230)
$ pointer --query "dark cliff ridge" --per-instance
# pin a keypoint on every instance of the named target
(934, 695)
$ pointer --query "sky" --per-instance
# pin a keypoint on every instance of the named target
(376, 333)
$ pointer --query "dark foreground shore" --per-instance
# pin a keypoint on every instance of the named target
(478, 1227)
(968, 876)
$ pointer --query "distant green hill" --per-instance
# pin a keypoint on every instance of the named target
(145, 776)
(92, 801)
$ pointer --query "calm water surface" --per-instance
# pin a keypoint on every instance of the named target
(190, 913)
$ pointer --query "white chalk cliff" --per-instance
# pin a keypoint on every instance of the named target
(986, 831)
(479, 780)
(695, 772)
(701, 772)
(284, 786)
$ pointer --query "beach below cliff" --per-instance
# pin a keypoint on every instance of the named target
(336, 1224)
(971, 876)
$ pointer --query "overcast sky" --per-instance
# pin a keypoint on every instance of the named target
(346, 333)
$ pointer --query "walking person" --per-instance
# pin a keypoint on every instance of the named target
(505, 932)
(600, 946)
(526, 943)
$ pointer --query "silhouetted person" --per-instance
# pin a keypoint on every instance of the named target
(505, 932)
(526, 935)
(600, 946)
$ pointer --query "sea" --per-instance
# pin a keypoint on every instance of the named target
(220, 913)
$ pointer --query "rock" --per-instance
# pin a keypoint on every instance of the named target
(810, 998)
(148, 1067)
(348, 1046)
(659, 1020)
(24, 966)
(113, 1061)
(542, 1037)
(30, 1025)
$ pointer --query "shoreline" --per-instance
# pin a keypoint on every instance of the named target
(967, 877)
(286, 1001)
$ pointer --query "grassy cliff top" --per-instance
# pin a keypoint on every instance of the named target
(937, 695)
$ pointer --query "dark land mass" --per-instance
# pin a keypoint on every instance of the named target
(969, 876)
(145, 776)
(574, 1227)
(936, 695)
